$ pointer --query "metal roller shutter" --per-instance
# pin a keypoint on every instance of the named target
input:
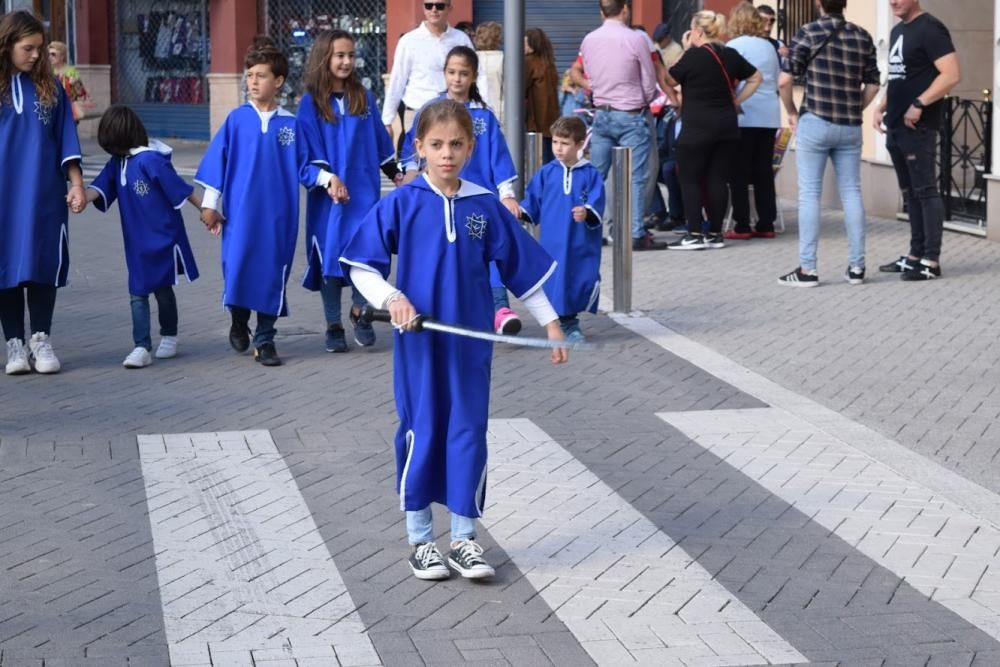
(566, 22)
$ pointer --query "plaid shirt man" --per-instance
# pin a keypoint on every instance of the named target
(838, 70)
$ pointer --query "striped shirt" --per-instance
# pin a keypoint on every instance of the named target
(837, 73)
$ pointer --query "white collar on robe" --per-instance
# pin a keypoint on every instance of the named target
(266, 116)
(568, 174)
(465, 189)
(155, 146)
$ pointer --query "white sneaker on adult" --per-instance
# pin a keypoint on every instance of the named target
(167, 349)
(138, 358)
(17, 358)
(41, 351)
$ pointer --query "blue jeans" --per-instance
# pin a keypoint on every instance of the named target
(330, 291)
(166, 307)
(617, 128)
(420, 528)
(500, 299)
(819, 140)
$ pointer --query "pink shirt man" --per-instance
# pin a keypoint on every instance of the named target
(616, 60)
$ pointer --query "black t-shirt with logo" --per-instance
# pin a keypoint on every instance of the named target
(915, 47)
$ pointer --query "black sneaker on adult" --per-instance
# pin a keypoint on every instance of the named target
(922, 271)
(689, 242)
(266, 355)
(427, 564)
(239, 335)
(797, 278)
(647, 243)
(466, 558)
(902, 264)
(715, 241)
(335, 339)
(855, 275)
(364, 332)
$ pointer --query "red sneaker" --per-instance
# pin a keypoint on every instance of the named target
(737, 236)
(764, 235)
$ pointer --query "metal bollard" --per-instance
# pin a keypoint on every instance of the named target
(621, 188)
(533, 151)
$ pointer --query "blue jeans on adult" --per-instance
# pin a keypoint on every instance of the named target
(619, 128)
(420, 528)
(330, 291)
(166, 307)
(819, 140)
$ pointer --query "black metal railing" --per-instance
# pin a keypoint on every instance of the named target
(965, 158)
(792, 15)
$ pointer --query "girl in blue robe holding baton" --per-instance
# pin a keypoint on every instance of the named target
(445, 232)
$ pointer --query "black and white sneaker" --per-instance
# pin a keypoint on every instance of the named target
(902, 264)
(715, 241)
(799, 279)
(466, 558)
(922, 271)
(427, 563)
(855, 275)
(689, 242)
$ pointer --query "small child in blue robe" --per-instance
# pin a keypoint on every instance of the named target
(565, 198)
(445, 233)
(39, 152)
(490, 165)
(253, 165)
(345, 138)
(150, 195)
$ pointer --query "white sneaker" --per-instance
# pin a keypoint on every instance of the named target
(17, 358)
(138, 358)
(41, 351)
(167, 349)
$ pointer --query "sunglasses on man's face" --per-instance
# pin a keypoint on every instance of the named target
(440, 6)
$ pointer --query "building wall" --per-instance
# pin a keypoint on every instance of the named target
(971, 26)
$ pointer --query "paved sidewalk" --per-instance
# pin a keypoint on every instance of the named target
(746, 474)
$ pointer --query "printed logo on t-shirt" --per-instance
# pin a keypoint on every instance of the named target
(476, 224)
(897, 66)
(286, 136)
(140, 188)
(479, 126)
(44, 112)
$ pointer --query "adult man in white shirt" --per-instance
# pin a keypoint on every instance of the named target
(417, 74)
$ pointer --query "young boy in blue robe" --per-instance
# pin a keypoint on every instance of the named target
(490, 165)
(253, 166)
(150, 195)
(565, 198)
(445, 233)
(39, 152)
(349, 144)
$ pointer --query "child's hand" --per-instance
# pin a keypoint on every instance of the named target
(399, 179)
(512, 206)
(76, 199)
(337, 191)
(560, 355)
(410, 176)
(216, 229)
(579, 213)
(402, 313)
(210, 218)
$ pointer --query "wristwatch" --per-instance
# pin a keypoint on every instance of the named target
(917, 104)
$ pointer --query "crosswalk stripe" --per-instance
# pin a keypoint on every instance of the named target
(625, 589)
(934, 545)
(244, 574)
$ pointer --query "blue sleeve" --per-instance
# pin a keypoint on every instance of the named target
(376, 239)
(595, 199)
(523, 264)
(313, 158)
(501, 163)
(69, 142)
(532, 202)
(212, 169)
(105, 186)
(161, 172)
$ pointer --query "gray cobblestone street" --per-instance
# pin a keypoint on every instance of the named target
(746, 474)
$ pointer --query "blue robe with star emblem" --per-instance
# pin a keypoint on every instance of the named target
(444, 246)
(37, 144)
(549, 201)
(257, 170)
(353, 148)
(150, 195)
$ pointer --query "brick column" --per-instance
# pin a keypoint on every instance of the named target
(93, 57)
(647, 13)
(232, 26)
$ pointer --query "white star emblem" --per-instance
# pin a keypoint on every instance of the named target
(44, 112)
(141, 188)
(476, 224)
(479, 126)
(286, 136)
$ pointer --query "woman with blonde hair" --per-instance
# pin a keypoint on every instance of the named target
(69, 77)
(759, 123)
(708, 74)
(488, 41)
